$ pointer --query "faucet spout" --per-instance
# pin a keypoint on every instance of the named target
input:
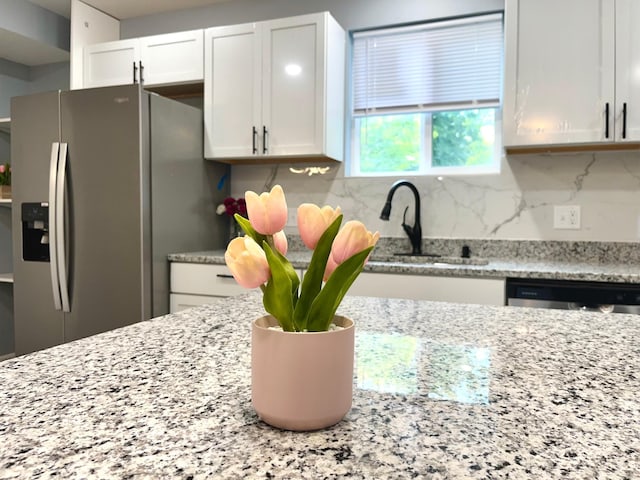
(413, 232)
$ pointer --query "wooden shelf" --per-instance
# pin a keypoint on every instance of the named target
(6, 277)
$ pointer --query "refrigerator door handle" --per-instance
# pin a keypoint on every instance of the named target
(60, 241)
(53, 231)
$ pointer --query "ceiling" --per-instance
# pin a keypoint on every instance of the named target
(26, 51)
(122, 9)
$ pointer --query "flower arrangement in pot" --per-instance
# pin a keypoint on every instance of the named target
(232, 206)
(5, 180)
(302, 372)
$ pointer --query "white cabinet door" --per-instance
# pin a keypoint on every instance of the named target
(111, 63)
(232, 91)
(172, 58)
(627, 109)
(559, 72)
(484, 291)
(275, 89)
(203, 279)
(292, 93)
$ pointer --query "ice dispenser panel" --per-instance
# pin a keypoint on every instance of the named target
(35, 232)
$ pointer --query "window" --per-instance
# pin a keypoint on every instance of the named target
(426, 98)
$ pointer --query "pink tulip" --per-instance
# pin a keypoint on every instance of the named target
(313, 221)
(247, 262)
(280, 242)
(352, 238)
(2, 168)
(267, 211)
(329, 268)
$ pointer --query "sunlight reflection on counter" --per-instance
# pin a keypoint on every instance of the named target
(407, 365)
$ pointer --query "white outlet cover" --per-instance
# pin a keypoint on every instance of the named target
(566, 217)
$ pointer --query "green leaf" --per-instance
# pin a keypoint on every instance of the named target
(312, 280)
(327, 301)
(245, 224)
(291, 272)
(278, 298)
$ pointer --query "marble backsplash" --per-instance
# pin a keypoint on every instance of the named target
(515, 204)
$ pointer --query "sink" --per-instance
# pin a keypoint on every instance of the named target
(433, 259)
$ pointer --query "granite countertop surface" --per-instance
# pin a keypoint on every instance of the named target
(441, 391)
(558, 269)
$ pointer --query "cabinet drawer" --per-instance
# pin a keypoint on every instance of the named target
(485, 291)
(203, 279)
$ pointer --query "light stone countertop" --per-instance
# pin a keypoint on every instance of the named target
(442, 391)
(607, 271)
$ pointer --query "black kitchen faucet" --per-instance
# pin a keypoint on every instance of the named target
(414, 232)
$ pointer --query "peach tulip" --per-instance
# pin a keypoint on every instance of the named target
(247, 262)
(329, 268)
(268, 211)
(313, 221)
(280, 242)
(352, 238)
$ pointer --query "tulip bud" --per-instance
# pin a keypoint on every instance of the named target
(267, 211)
(247, 262)
(313, 221)
(351, 239)
(280, 242)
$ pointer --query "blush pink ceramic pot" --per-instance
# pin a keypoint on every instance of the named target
(303, 380)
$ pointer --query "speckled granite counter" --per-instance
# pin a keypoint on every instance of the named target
(442, 391)
(603, 271)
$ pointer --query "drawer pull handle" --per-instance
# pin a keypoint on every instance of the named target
(224, 275)
(606, 123)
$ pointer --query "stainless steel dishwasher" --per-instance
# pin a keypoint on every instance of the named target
(605, 297)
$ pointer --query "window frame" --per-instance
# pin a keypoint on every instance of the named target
(426, 167)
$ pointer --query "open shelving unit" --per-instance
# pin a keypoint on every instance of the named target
(6, 277)
(5, 124)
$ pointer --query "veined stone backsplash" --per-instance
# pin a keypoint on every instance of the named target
(516, 204)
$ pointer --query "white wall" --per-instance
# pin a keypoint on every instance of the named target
(88, 25)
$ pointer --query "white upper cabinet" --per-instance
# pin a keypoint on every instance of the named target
(275, 89)
(569, 72)
(173, 58)
(232, 91)
(111, 63)
(627, 104)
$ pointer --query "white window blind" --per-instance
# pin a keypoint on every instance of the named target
(429, 67)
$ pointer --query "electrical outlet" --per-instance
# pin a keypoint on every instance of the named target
(292, 217)
(566, 217)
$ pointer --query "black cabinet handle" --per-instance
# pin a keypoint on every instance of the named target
(624, 120)
(224, 275)
(255, 138)
(141, 73)
(135, 71)
(606, 123)
(265, 147)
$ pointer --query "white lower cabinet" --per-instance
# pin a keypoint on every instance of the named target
(484, 291)
(194, 284)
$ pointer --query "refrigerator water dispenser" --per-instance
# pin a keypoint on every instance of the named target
(35, 232)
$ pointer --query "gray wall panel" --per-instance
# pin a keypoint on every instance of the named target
(351, 14)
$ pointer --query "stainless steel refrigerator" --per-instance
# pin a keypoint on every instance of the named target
(106, 183)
